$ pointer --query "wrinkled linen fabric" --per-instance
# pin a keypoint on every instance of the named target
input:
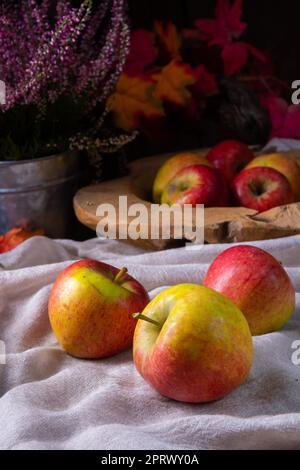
(49, 400)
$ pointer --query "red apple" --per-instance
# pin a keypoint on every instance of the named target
(91, 306)
(192, 344)
(230, 157)
(257, 283)
(261, 189)
(196, 184)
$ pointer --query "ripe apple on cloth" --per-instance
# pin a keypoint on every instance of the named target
(192, 344)
(91, 306)
(257, 283)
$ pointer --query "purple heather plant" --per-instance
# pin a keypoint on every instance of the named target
(53, 52)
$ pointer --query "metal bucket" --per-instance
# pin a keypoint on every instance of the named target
(38, 193)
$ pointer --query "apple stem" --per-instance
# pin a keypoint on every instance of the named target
(140, 316)
(120, 274)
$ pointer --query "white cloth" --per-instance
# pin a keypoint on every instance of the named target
(49, 400)
(52, 401)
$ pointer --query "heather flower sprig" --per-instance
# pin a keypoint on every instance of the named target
(103, 70)
(54, 56)
(53, 53)
(109, 144)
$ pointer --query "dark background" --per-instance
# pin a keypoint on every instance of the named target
(273, 25)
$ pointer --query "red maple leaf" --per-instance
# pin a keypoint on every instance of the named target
(142, 52)
(227, 24)
(235, 56)
(224, 30)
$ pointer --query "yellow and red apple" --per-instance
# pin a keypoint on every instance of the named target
(192, 344)
(196, 184)
(91, 306)
(171, 167)
(257, 283)
(285, 165)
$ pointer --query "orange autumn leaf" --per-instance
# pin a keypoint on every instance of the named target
(15, 236)
(169, 39)
(132, 99)
(173, 83)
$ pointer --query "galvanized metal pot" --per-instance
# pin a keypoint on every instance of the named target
(38, 193)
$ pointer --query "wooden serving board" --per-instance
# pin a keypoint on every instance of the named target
(221, 225)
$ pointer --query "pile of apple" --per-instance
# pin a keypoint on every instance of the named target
(192, 343)
(229, 174)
